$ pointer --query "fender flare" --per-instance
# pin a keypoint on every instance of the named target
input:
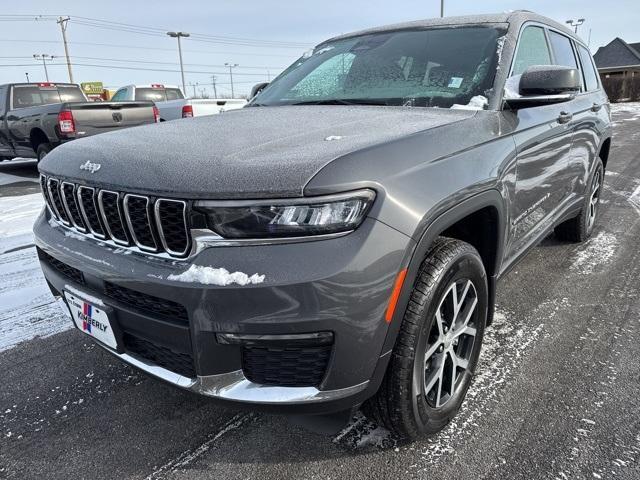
(413, 258)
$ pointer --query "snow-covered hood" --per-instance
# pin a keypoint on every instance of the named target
(250, 153)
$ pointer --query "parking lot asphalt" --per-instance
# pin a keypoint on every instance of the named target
(556, 395)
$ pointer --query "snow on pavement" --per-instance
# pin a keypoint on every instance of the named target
(27, 308)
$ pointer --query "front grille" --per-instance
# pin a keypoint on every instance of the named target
(154, 225)
(297, 366)
(62, 268)
(181, 363)
(147, 304)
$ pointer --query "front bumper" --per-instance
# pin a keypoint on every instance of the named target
(340, 285)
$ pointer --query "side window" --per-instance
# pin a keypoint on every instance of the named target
(589, 71)
(532, 50)
(119, 95)
(563, 52)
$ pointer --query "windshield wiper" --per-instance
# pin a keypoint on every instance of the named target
(344, 101)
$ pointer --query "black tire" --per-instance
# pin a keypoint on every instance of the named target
(580, 228)
(42, 150)
(401, 404)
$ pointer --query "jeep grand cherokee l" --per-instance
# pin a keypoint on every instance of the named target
(341, 243)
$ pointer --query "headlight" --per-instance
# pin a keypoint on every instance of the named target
(287, 218)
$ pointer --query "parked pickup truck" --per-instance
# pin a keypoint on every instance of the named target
(37, 117)
(171, 102)
(340, 245)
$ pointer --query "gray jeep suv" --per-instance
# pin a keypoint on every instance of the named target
(337, 242)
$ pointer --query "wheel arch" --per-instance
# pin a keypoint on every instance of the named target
(458, 222)
(37, 136)
(604, 150)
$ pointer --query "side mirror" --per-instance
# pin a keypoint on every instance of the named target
(257, 88)
(544, 85)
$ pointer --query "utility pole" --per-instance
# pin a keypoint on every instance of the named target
(213, 82)
(26, 74)
(231, 67)
(178, 35)
(441, 8)
(575, 24)
(193, 85)
(44, 57)
(63, 27)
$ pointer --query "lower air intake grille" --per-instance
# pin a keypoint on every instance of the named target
(181, 363)
(287, 366)
(62, 268)
(148, 304)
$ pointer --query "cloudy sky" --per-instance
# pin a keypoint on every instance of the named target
(261, 37)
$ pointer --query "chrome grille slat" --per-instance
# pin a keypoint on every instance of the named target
(141, 231)
(68, 191)
(109, 203)
(53, 186)
(141, 223)
(89, 208)
(45, 194)
(171, 232)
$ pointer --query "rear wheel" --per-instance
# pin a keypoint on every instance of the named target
(580, 228)
(438, 345)
(43, 150)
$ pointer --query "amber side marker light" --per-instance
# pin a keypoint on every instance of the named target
(393, 301)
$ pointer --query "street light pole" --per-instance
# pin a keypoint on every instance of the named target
(26, 74)
(575, 24)
(63, 27)
(178, 35)
(44, 57)
(231, 67)
(441, 8)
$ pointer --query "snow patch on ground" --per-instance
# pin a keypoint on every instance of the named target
(630, 107)
(597, 251)
(479, 102)
(215, 276)
(27, 308)
(18, 215)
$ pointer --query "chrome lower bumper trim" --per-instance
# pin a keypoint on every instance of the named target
(235, 387)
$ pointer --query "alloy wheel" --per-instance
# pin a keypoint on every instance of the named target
(594, 199)
(450, 343)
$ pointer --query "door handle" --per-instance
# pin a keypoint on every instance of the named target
(565, 117)
(596, 107)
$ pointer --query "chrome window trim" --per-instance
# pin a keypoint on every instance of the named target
(53, 203)
(117, 241)
(80, 228)
(127, 216)
(161, 231)
(98, 235)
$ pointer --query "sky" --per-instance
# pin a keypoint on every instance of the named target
(261, 37)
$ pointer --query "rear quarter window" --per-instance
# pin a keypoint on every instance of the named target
(588, 69)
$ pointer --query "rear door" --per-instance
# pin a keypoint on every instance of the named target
(543, 138)
(98, 117)
(591, 119)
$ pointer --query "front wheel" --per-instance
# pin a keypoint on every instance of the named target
(437, 349)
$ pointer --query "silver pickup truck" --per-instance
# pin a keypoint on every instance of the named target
(172, 104)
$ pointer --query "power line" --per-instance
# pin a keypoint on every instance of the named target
(114, 45)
